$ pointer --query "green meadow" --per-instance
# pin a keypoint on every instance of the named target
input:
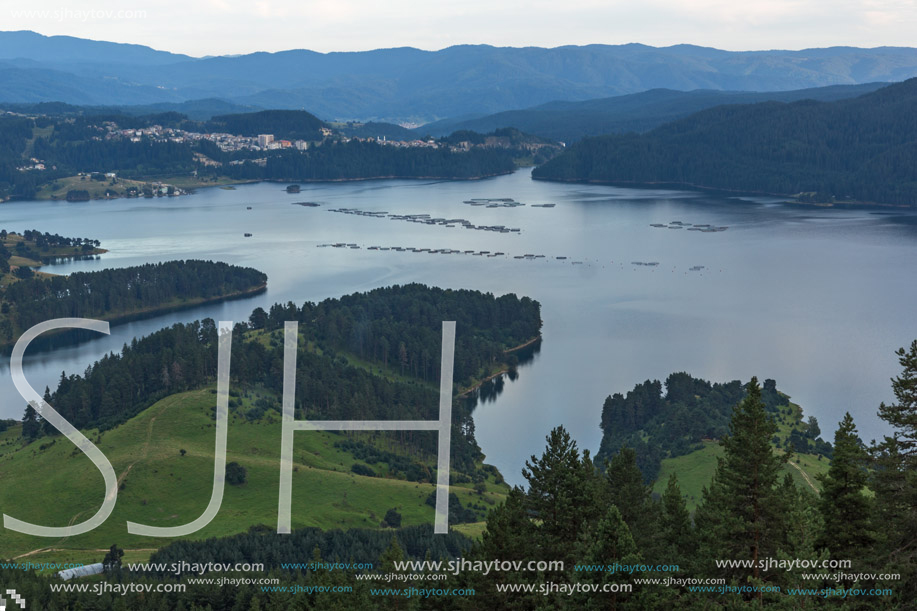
(50, 482)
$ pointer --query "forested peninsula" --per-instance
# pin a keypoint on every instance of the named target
(857, 150)
(28, 297)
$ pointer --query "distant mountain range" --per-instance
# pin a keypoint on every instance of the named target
(635, 112)
(406, 84)
(861, 149)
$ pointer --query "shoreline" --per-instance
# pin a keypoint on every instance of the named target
(190, 190)
(523, 345)
(126, 317)
(470, 389)
(695, 187)
(365, 178)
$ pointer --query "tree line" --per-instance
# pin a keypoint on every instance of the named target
(118, 291)
(37, 246)
(609, 530)
(357, 159)
(857, 149)
(659, 425)
(328, 386)
(591, 517)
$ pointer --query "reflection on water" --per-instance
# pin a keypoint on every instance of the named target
(815, 298)
(490, 389)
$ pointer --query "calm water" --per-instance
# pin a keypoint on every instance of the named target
(818, 299)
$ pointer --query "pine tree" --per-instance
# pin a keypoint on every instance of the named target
(675, 526)
(563, 495)
(631, 496)
(845, 508)
(610, 543)
(626, 487)
(112, 560)
(894, 481)
(46, 427)
(740, 512)
(31, 426)
(902, 415)
(510, 535)
(804, 527)
(393, 554)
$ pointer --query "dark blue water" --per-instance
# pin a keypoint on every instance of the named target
(816, 298)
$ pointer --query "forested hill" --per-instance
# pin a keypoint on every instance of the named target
(673, 423)
(120, 292)
(862, 149)
(357, 160)
(372, 355)
(635, 112)
(290, 124)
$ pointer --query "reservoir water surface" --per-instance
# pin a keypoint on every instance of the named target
(634, 284)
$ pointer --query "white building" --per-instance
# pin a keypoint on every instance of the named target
(81, 571)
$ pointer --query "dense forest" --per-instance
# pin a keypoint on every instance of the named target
(659, 425)
(570, 121)
(397, 328)
(119, 292)
(860, 149)
(15, 133)
(356, 159)
(286, 124)
(754, 540)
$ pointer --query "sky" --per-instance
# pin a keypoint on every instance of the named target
(223, 27)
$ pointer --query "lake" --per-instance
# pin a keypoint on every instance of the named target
(816, 298)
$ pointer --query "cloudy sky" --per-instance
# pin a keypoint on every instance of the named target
(219, 27)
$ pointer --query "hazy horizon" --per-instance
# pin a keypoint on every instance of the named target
(473, 44)
(233, 27)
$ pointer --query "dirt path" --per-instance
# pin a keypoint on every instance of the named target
(143, 456)
(805, 476)
(521, 346)
(77, 549)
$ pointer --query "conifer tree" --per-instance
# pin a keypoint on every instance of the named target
(845, 509)
(675, 525)
(894, 481)
(902, 415)
(564, 494)
(610, 544)
(510, 533)
(631, 496)
(625, 484)
(740, 512)
(31, 426)
(803, 528)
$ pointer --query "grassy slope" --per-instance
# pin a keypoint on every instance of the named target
(695, 470)
(58, 485)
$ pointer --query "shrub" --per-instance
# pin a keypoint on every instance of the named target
(235, 474)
